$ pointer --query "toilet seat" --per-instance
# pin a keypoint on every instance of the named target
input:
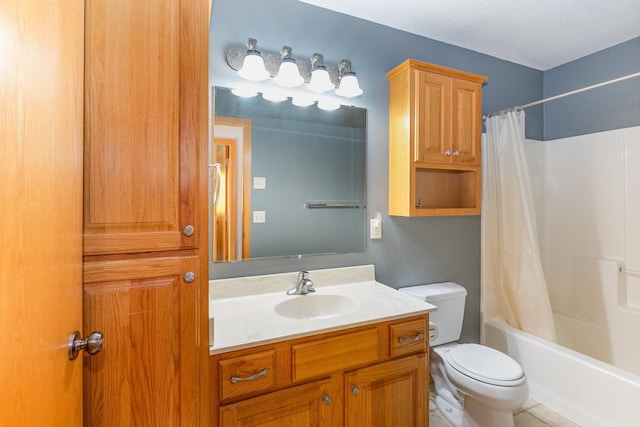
(485, 364)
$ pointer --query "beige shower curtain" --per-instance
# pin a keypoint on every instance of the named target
(512, 258)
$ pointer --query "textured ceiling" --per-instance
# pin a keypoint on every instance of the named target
(541, 34)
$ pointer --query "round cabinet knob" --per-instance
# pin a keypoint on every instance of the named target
(189, 277)
(326, 399)
(456, 153)
(447, 153)
(355, 390)
(188, 230)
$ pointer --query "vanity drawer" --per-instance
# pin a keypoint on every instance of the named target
(408, 337)
(327, 355)
(247, 374)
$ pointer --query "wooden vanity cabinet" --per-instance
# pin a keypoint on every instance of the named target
(145, 211)
(370, 375)
(435, 126)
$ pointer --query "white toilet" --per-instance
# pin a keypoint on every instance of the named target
(476, 386)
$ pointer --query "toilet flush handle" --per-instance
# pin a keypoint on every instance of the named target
(434, 332)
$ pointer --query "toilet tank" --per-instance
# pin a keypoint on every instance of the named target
(449, 297)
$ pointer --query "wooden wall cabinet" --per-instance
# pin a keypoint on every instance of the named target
(370, 375)
(435, 125)
(145, 211)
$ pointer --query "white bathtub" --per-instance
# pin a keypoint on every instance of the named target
(588, 391)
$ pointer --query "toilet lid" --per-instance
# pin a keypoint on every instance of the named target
(485, 364)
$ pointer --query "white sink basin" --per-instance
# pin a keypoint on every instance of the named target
(312, 306)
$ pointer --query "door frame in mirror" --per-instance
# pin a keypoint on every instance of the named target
(243, 127)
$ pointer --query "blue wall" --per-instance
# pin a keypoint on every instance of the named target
(610, 107)
(412, 250)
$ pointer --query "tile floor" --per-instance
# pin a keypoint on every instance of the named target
(531, 414)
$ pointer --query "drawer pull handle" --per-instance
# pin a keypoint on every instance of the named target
(403, 340)
(255, 376)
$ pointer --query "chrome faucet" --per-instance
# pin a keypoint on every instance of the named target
(304, 285)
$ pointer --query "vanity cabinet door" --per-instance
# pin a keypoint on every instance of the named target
(401, 384)
(147, 371)
(308, 405)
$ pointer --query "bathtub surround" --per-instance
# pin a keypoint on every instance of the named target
(588, 201)
(587, 196)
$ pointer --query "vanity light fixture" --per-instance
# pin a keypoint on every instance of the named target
(349, 86)
(288, 73)
(253, 65)
(320, 79)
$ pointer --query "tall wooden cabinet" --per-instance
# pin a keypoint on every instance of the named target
(434, 141)
(145, 211)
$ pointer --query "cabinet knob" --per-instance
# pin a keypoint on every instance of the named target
(355, 390)
(447, 153)
(456, 153)
(188, 230)
(326, 399)
(189, 277)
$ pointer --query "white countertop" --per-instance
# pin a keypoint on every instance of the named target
(250, 319)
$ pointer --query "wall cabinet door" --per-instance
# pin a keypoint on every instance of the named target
(307, 405)
(145, 62)
(433, 118)
(467, 129)
(447, 125)
(147, 371)
(402, 386)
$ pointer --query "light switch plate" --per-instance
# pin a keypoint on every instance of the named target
(259, 182)
(259, 217)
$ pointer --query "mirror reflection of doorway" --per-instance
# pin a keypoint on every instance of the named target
(232, 203)
(224, 209)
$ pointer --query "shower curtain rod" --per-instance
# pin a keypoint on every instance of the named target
(562, 95)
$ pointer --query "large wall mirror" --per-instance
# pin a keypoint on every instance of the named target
(288, 181)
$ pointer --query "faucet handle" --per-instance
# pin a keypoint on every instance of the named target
(303, 275)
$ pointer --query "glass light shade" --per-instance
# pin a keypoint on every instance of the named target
(253, 67)
(303, 99)
(320, 80)
(288, 74)
(328, 104)
(274, 95)
(349, 86)
(244, 92)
